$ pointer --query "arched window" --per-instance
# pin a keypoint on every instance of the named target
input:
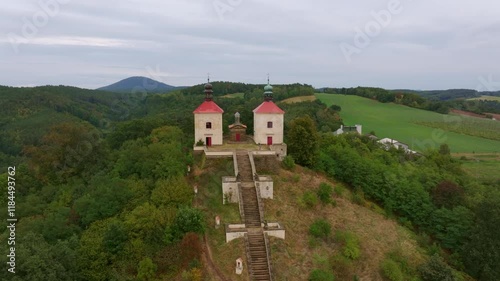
(208, 125)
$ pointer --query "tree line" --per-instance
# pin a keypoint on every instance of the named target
(437, 101)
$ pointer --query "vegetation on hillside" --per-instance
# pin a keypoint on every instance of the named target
(280, 92)
(430, 194)
(102, 193)
(385, 96)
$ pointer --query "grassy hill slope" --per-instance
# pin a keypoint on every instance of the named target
(296, 256)
(399, 122)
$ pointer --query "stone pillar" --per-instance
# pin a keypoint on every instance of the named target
(239, 266)
(195, 189)
(217, 221)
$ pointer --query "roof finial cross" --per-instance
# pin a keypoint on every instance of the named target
(208, 79)
(268, 78)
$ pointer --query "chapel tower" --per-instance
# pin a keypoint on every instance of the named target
(208, 120)
(268, 120)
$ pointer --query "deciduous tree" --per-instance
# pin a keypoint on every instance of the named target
(303, 141)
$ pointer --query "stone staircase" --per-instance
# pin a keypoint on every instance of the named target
(250, 206)
(257, 251)
(249, 194)
(257, 255)
(244, 167)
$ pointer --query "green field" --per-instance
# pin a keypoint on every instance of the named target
(299, 99)
(398, 122)
(492, 98)
(484, 167)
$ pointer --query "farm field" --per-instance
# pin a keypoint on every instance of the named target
(493, 98)
(299, 99)
(398, 122)
(484, 167)
(472, 126)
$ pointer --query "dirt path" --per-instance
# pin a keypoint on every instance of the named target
(208, 261)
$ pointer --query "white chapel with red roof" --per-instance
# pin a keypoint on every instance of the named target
(208, 120)
(268, 120)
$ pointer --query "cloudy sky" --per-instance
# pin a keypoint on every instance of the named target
(382, 43)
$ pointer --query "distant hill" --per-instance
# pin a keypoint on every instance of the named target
(451, 94)
(139, 83)
(28, 113)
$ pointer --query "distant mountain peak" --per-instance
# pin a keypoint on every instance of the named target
(139, 83)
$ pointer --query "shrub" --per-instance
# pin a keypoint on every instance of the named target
(447, 194)
(321, 275)
(186, 220)
(350, 243)
(436, 270)
(358, 197)
(391, 270)
(146, 270)
(339, 190)
(320, 229)
(288, 162)
(309, 199)
(191, 249)
(325, 193)
(194, 274)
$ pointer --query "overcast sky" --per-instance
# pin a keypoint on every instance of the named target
(392, 44)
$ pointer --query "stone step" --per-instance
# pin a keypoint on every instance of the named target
(256, 246)
(258, 254)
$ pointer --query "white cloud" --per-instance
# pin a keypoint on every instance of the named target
(430, 44)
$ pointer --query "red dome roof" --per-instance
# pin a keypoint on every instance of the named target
(268, 107)
(208, 107)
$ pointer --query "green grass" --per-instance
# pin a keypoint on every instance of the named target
(483, 167)
(491, 98)
(398, 122)
(472, 126)
(486, 171)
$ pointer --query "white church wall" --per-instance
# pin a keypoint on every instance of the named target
(201, 132)
(261, 131)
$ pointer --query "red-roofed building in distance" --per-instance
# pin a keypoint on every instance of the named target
(268, 120)
(208, 120)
